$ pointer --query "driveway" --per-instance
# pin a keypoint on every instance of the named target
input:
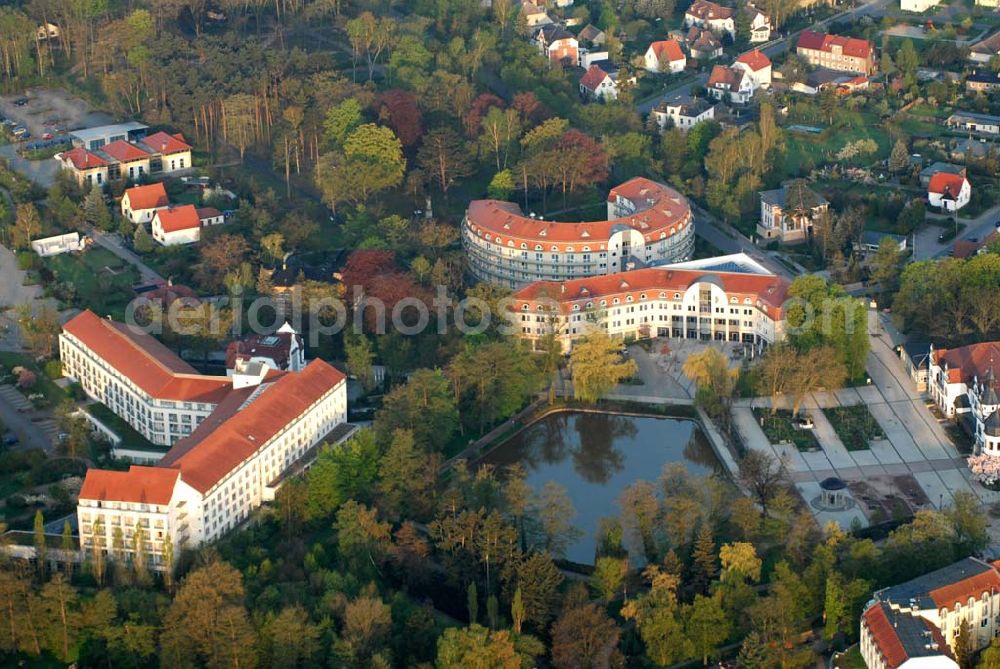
(926, 244)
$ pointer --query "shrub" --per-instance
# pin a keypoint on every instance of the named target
(26, 379)
(53, 369)
(26, 260)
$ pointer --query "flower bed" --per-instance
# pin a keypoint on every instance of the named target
(855, 426)
(779, 427)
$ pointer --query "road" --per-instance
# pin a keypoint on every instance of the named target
(112, 243)
(926, 244)
(770, 49)
(728, 239)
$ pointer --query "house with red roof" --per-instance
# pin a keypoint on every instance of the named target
(127, 161)
(834, 52)
(139, 203)
(233, 439)
(965, 384)
(89, 168)
(171, 153)
(600, 82)
(731, 84)
(702, 43)
(711, 16)
(664, 57)
(916, 624)
(725, 299)
(948, 191)
(173, 226)
(757, 65)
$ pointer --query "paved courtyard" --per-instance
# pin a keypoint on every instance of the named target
(916, 449)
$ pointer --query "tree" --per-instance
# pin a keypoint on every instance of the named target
(95, 210)
(362, 539)
(596, 366)
(207, 623)
(341, 120)
(899, 158)
(502, 185)
(141, 240)
(970, 523)
(39, 329)
(473, 603)
(963, 645)
(656, 615)
(740, 562)
(359, 354)
(289, 639)
(219, 257)
(608, 576)
(27, 225)
(68, 549)
(407, 478)
(342, 472)
(764, 475)
(885, 264)
(371, 161)
(907, 60)
(706, 626)
(703, 558)
(444, 156)
(585, 638)
(538, 579)
(475, 647)
(58, 604)
(424, 405)
(41, 546)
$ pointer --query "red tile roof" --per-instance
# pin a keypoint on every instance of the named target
(885, 637)
(174, 219)
(706, 11)
(974, 586)
(208, 212)
(148, 485)
(946, 182)
(723, 77)
(145, 361)
(161, 142)
(124, 152)
(660, 212)
(755, 60)
(767, 288)
(147, 197)
(700, 39)
(83, 159)
(966, 362)
(667, 50)
(593, 77)
(231, 435)
(849, 46)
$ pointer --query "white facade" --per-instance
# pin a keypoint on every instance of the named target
(761, 78)
(760, 26)
(652, 62)
(138, 215)
(59, 244)
(684, 116)
(174, 237)
(974, 397)
(951, 204)
(917, 5)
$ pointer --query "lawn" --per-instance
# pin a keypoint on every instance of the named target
(130, 438)
(855, 426)
(779, 428)
(805, 151)
(850, 660)
(100, 280)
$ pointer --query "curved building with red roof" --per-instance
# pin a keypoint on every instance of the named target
(648, 223)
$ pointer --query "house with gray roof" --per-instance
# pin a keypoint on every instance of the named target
(788, 214)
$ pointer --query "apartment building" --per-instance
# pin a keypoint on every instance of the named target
(963, 381)
(833, 52)
(729, 298)
(788, 214)
(262, 424)
(915, 624)
(128, 156)
(647, 222)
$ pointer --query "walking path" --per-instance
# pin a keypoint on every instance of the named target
(112, 243)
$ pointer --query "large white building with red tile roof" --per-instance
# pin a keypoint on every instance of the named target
(648, 222)
(729, 298)
(915, 624)
(127, 158)
(233, 439)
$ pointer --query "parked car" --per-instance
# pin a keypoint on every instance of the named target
(804, 423)
(10, 439)
(20, 102)
(47, 135)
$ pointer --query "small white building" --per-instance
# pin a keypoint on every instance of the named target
(139, 203)
(948, 192)
(599, 84)
(757, 65)
(731, 84)
(664, 56)
(282, 351)
(182, 225)
(684, 112)
(760, 24)
(59, 244)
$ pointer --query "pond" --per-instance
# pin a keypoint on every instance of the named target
(594, 456)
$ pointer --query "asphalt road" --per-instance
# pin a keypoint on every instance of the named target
(771, 49)
(927, 246)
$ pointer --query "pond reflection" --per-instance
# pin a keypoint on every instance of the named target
(594, 456)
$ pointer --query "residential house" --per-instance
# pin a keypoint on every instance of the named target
(917, 5)
(788, 214)
(949, 192)
(534, 16)
(702, 43)
(598, 83)
(964, 149)
(235, 439)
(171, 153)
(759, 22)
(724, 299)
(183, 224)
(592, 36)
(89, 168)
(47, 31)
(712, 16)
(283, 351)
(139, 203)
(871, 240)
(916, 358)
(664, 56)
(982, 81)
(964, 383)
(974, 122)
(557, 44)
(757, 65)
(731, 84)
(843, 54)
(984, 50)
(934, 168)
(683, 112)
(966, 248)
